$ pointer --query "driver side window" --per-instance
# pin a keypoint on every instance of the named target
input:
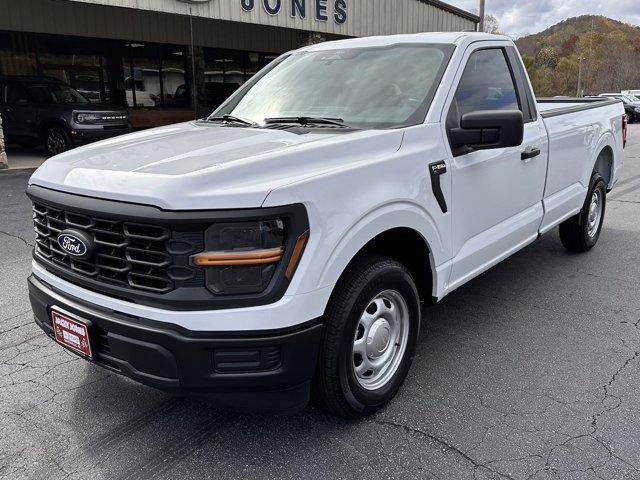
(486, 84)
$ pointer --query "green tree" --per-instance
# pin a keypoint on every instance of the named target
(547, 57)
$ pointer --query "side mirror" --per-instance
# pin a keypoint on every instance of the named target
(489, 129)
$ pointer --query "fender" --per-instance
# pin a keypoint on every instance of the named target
(380, 220)
(606, 140)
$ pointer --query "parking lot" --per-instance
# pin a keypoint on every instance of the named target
(530, 371)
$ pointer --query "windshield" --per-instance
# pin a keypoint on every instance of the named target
(55, 93)
(380, 87)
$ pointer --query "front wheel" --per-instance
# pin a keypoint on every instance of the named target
(57, 140)
(580, 233)
(370, 333)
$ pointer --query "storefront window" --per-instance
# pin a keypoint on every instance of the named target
(228, 70)
(79, 64)
(92, 85)
(234, 68)
(155, 76)
(174, 85)
(214, 65)
(135, 74)
(69, 59)
(142, 75)
(216, 84)
(17, 57)
(253, 64)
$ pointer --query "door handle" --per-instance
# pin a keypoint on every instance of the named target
(530, 152)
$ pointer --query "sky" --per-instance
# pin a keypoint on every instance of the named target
(521, 17)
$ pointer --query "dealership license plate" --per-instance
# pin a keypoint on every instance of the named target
(71, 332)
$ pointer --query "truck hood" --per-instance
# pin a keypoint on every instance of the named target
(198, 165)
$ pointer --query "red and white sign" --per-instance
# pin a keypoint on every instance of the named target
(71, 333)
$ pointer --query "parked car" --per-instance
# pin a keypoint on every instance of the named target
(286, 243)
(631, 105)
(45, 111)
(635, 93)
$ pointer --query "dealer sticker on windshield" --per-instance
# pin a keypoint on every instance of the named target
(71, 332)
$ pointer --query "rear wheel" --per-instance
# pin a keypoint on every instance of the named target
(370, 333)
(580, 233)
(57, 140)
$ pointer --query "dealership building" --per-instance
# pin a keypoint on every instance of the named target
(171, 60)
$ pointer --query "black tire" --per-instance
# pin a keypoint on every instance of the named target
(575, 232)
(57, 140)
(336, 387)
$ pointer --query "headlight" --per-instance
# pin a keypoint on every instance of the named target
(242, 258)
(637, 109)
(88, 117)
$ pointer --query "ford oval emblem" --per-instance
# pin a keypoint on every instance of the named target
(76, 244)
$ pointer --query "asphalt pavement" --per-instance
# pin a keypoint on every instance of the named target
(530, 371)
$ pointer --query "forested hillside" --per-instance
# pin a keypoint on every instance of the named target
(610, 52)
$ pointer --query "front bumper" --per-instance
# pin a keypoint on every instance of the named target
(269, 372)
(83, 135)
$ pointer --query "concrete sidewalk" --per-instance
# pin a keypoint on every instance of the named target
(20, 158)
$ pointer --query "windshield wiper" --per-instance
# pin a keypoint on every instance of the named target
(231, 119)
(306, 121)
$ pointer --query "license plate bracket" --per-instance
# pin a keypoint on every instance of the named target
(71, 331)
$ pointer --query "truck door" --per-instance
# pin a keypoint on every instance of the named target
(496, 193)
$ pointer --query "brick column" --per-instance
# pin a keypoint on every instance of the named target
(4, 163)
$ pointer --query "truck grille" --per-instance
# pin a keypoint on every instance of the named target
(132, 255)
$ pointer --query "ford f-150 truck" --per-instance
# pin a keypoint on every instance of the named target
(281, 248)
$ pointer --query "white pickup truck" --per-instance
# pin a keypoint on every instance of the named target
(282, 247)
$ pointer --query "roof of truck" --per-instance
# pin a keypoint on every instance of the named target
(450, 38)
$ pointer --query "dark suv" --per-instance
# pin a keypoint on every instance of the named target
(45, 111)
(631, 105)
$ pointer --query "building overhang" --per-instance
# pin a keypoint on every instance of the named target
(349, 18)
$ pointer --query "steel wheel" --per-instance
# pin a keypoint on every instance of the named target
(370, 330)
(581, 232)
(595, 214)
(380, 340)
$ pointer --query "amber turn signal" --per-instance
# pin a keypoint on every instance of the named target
(297, 253)
(251, 257)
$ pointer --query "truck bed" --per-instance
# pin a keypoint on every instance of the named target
(552, 107)
(578, 130)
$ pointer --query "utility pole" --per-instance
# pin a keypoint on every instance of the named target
(578, 93)
(194, 87)
(481, 15)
